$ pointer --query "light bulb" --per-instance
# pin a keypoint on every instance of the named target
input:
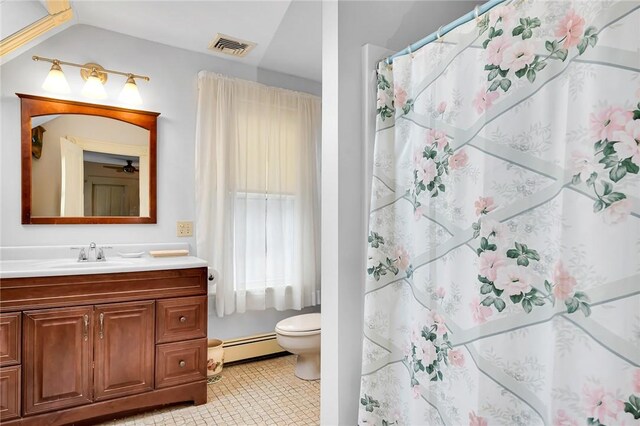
(93, 88)
(56, 81)
(130, 93)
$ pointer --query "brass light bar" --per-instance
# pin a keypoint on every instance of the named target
(88, 67)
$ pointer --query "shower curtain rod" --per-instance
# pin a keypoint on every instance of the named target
(479, 10)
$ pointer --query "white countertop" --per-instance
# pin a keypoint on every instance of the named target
(17, 262)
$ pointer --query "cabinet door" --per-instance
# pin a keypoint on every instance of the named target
(10, 328)
(9, 393)
(124, 349)
(57, 358)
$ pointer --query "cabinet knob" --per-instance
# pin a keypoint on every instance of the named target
(183, 319)
(182, 364)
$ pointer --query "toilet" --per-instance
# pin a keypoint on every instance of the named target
(300, 335)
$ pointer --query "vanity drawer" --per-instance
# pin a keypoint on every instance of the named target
(181, 319)
(9, 392)
(10, 329)
(181, 362)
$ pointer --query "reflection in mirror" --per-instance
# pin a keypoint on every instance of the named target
(85, 165)
(111, 184)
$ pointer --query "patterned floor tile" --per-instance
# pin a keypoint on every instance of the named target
(262, 392)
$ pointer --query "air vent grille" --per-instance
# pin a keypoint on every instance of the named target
(231, 45)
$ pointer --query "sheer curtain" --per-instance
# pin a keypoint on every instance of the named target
(257, 195)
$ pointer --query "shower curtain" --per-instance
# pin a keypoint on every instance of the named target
(503, 276)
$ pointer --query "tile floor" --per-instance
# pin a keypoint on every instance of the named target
(254, 393)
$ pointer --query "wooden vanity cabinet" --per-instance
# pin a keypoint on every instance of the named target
(98, 353)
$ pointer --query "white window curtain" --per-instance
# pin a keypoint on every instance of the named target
(72, 185)
(257, 194)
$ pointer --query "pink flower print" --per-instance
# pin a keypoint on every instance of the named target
(582, 162)
(416, 391)
(513, 279)
(456, 357)
(442, 107)
(403, 257)
(617, 212)
(496, 48)
(636, 381)
(383, 98)
(506, 13)
(608, 121)
(601, 404)
(490, 262)
(426, 170)
(475, 420)
(428, 352)
(564, 283)
(562, 419)
(484, 205)
(571, 28)
(417, 213)
(479, 312)
(518, 55)
(441, 292)
(407, 349)
(400, 96)
(484, 100)
(458, 160)
(492, 229)
(437, 136)
(629, 141)
(438, 321)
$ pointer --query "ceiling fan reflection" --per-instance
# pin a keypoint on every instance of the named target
(128, 168)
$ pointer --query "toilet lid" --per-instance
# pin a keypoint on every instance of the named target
(299, 323)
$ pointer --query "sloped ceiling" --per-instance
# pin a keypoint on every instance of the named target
(288, 33)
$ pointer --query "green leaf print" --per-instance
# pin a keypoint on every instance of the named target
(369, 403)
(499, 304)
(633, 406)
(375, 239)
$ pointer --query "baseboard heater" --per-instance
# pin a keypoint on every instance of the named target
(250, 347)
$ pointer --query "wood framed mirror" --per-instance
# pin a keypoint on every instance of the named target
(85, 163)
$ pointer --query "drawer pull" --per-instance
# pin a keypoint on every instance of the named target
(183, 319)
(85, 331)
(182, 364)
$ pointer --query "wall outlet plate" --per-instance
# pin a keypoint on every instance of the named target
(184, 229)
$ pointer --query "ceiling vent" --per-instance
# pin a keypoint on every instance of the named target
(231, 45)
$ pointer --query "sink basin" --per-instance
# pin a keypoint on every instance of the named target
(70, 263)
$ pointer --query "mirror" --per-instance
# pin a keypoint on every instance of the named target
(87, 163)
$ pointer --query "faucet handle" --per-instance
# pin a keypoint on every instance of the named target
(101, 257)
(82, 256)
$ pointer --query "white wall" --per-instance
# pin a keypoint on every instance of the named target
(347, 26)
(172, 92)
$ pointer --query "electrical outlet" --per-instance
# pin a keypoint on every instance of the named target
(184, 229)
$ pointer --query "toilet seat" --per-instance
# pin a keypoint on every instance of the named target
(299, 325)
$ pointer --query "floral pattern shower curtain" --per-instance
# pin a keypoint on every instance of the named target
(504, 246)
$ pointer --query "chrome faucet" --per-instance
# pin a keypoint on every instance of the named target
(93, 254)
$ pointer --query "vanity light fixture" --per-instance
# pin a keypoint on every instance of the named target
(95, 77)
(130, 94)
(95, 80)
(56, 81)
